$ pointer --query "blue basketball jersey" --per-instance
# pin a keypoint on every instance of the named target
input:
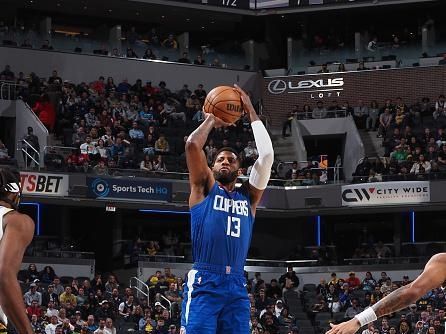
(222, 228)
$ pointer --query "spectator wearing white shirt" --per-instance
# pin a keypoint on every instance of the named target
(109, 328)
(320, 111)
(360, 114)
(421, 166)
(51, 327)
(50, 311)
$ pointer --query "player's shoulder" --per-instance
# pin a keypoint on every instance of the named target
(14, 217)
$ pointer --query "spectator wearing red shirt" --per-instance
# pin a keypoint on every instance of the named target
(353, 282)
(99, 85)
(45, 111)
(34, 309)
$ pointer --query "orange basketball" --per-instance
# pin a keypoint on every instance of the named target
(225, 103)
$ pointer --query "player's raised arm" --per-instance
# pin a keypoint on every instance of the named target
(261, 171)
(433, 276)
(201, 178)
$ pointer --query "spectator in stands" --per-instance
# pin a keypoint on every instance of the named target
(109, 327)
(421, 166)
(91, 325)
(46, 45)
(131, 53)
(148, 54)
(373, 45)
(291, 275)
(67, 297)
(361, 66)
(368, 283)
(287, 123)
(319, 111)
(31, 273)
(354, 309)
(123, 87)
(170, 42)
(31, 143)
(146, 164)
(47, 275)
(44, 109)
(371, 121)
(324, 69)
(55, 79)
(4, 153)
(34, 309)
(362, 170)
(32, 295)
(199, 60)
(7, 74)
(50, 297)
(273, 290)
(353, 282)
(162, 145)
(111, 284)
(51, 327)
(101, 168)
(36, 324)
(105, 311)
(382, 250)
(440, 107)
(360, 114)
(184, 59)
(200, 92)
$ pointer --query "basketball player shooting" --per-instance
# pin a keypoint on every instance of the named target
(434, 274)
(16, 232)
(222, 217)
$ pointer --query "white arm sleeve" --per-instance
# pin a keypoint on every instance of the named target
(261, 171)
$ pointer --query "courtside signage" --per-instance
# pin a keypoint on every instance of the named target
(138, 189)
(44, 184)
(385, 193)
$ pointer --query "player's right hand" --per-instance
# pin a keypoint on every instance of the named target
(218, 122)
(348, 327)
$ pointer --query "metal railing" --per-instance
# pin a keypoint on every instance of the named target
(138, 285)
(307, 115)
(24, 146)
(386, 260)
(280, 263)
(161, 258)
(63, 254)
(334, 172)
(9, 90)
(170, 304)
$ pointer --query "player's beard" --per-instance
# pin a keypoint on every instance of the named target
(225, 178)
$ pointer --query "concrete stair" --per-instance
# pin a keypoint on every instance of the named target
(283, 147)
(372, 144)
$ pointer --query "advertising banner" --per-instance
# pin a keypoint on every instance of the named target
(34, 183)
(385, 193)
(137, 189)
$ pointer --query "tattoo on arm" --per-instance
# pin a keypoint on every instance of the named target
(397, 300)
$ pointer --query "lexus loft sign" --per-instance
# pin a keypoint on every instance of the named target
(319, 88)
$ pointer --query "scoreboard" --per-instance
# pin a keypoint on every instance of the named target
(270, 4)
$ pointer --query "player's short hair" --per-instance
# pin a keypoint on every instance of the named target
(226, 149)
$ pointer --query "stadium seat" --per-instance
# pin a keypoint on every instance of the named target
(309, 287)
(66, 280)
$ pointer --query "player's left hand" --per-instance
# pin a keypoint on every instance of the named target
(348, 327)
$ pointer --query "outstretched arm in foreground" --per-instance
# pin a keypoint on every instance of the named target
(433, 276)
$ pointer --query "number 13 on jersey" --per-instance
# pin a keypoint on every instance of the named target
(233, 229)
